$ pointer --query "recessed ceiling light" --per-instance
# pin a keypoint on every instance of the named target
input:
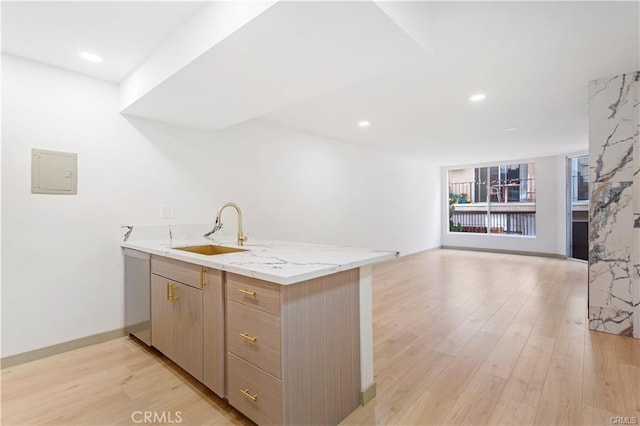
(477, 97)
(512, 129)
(91, 57)
(364, 123)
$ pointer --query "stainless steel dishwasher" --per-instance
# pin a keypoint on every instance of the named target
(137, 294)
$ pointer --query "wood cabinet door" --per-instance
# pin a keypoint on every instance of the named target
(213, 328)
(186, 305)
(161, 316)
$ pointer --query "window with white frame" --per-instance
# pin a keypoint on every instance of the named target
(497, 199)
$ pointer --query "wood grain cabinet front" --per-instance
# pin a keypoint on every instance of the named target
(294, 350)
(254, 392)
(281, 354)
(176, 323)
(188, 318)
(258, 294)
(213, 328)
(254, 336)
(182, 272)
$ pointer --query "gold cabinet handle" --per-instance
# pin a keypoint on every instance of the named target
(247, 292)
(202, 281)
(246, 393)
(171, 297)
(249, 338)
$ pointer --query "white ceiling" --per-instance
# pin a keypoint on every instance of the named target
(292, 52)
(122, 33)
(407, 67)
(533, 61)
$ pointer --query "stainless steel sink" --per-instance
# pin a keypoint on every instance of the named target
(209, 250)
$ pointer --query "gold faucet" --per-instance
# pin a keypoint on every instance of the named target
(218, 224)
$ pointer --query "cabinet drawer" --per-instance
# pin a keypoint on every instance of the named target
(255, 293)
(247, 382)
(176, 270)
(261, 342)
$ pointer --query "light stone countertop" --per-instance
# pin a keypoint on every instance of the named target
(279, 262)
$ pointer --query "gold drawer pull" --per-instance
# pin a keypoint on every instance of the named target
(246, 393)
(246, 336)
(247, 292)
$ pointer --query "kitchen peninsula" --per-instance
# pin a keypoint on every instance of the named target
(282, 330)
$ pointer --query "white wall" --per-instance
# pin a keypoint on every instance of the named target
(62, 265)
(62, 268)
(299, 187)
(550, 213)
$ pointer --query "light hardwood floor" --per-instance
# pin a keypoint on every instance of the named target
(460, 338)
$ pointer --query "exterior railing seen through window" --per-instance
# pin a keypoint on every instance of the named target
(505, 206)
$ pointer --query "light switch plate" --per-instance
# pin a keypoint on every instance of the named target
(54, 172)
(167, 212)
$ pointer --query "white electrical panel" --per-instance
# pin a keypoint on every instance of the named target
(54, 172)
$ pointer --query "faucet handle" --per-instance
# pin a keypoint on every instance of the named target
(242, 239)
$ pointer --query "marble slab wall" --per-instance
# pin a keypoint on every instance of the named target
(614, 232)
(166, 233)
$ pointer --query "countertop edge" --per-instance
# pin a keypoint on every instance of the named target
(377, 257)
